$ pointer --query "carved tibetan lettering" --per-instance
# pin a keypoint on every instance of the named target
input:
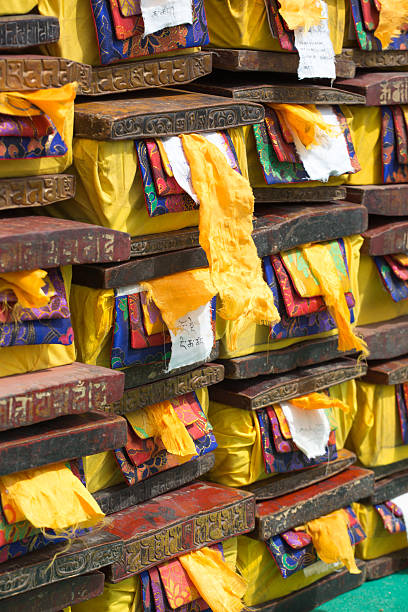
(40, 72)
(17, 32)
(36, 190)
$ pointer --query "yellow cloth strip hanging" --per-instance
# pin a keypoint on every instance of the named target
(301, 13)
(324, 269)
(317, 401)
(303, 119)
(161, 421)
(331, 539)
(220, 587)
(226, 209)
(393, 16)
(49, 497)
(283, 424)
(26, 285)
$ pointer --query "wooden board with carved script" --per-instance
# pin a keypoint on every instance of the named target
(39, 190)
(385, 238)
(27, 243)
(57, 596)
(120, 497)
(276, 228)
(161, 113)
(61, 439)
(76, 388)
(289, 195)
(297, 355)
(317, 593)
(170, 525)
(386, 340)
(263, 391)
(387, 564)
(389, 487)
(283, 484)
(379, 88)
(393, 372)
(144, 74)
(21, 31)
(386, 200)
(288, 511)
(58, 562)
(26, 72)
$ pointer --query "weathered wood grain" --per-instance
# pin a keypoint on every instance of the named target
(173, 524)
(154, 72)
(161, 113)
(54, 597)
(283, 484)
(26, 72)
(386, 340)
(42, 242)
(66, 437)
(38, 190)
(385, 238)
(288, 195)
(284, 513)
(383, 471)
(389, 487)
(379, 88)
(30, 398)
(20, 31)
(381, 60)
(121, 497)
(386, 565)
(263, 391)
(85, 554)
(386, 200)
(392, 372)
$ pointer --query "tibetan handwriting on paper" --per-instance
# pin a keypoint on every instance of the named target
(310, 429)
(160, 14)
(315, 48)
(194, 339)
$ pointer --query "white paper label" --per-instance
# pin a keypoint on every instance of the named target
(129, 290)
(310, 429)
(315, 48)
(159, 14)
(402, 502)
(194, 340)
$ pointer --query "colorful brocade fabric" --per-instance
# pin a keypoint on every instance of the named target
(401, 400)
(392, 522)
(355, 530)
(365, 15)
(34, 126)
(129, 7)
(278, 26)
(139, 337)
(397, 288)
(164, 184)
(401, 134)
(32, 147)
(398, 269)
(393, 170)
(113, 49)
(285, 151)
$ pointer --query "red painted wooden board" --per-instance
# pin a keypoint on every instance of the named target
(173, 524)
(386, 200)
(30, 398)
(385, 238)
(61, 439)
(284, 513)
(41, 242)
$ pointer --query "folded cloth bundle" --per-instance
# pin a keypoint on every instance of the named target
(385, 529)
(380, 25)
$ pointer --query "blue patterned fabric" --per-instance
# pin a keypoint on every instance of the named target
(393, 171)
(45, 331)
(397, 288)
(288, 559)
(402, 412)
(26, 147)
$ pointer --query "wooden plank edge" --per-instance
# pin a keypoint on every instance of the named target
(387, 564)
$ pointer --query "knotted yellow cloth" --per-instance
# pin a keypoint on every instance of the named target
(161, 421)
(331, 539)
(225, 224)
(304, 120)
(301, 13)
(220, 587)
(27, 287)
(393, 17)
(318, 401)
(49, 497)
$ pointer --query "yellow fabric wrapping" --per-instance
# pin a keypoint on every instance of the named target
(27, 287)
(256, 338)
(303, 119)
(376, 304)
(376, 434)
(318, 401)
(331, 539)
(35, 495)
(243, 24)
(393, 19)
(164, 157)
(220, 587)
(17, 7)
(257, 566)
(109, 189)
(340, 420)
(379, 541)
(194, 285)
(365, 129)
(230, 549)
(301, 13)
(226, 196)
(21, 359)
(161, 421)
(125, 596)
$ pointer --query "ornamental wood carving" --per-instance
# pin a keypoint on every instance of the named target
(38, 190)
(386, 200)
(20, 31)
(287, 195)
(25, 72)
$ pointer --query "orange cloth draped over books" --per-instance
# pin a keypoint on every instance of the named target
(301, 13)
(393, 17)
(26, 285)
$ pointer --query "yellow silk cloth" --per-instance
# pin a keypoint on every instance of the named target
(124, 596)
(49, 497)
(109, 188)
(225, 224)
(393, 18)
(193, 286)
(220, 587)
(27, 287)
(365, 129)
(17, 7)
(375, 435)
(243, 24)
(21, 359)
(301, 13)
(318, 401)
(304, 120)
(376, 304)
(256, 338)
(402, 258)
(161, 421)
(283, 424)
(164, 159)
(257, 566)
(340, 420)
(331, 539)
(379, 541)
